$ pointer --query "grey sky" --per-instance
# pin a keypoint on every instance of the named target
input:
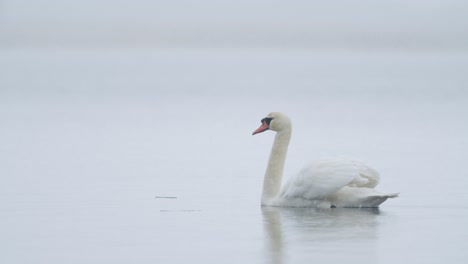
(396, 24)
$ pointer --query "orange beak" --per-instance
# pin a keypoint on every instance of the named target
(262, 128)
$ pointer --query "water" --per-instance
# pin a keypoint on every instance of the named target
(94, 142)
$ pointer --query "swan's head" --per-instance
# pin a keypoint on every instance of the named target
(275, 121)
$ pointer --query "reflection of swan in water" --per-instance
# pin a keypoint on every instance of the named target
(321, 184)
(272, 224)
(308, 232)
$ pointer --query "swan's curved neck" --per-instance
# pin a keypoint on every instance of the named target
(274, 171)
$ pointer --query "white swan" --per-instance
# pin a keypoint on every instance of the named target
(321, 184)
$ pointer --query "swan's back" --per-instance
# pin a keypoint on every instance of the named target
(367, 177)
(321, 184)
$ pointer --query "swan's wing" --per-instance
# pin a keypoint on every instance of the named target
(367, 176)
(321, 178)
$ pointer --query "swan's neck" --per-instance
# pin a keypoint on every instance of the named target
(274, 171)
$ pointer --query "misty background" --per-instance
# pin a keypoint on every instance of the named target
(357, 25)
(106, 105)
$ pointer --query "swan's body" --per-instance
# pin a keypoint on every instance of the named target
(322, 184)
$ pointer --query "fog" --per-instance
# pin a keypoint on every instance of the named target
(125, 129)
(363, 25)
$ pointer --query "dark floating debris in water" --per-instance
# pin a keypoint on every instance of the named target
(179, 210)
(165, 197)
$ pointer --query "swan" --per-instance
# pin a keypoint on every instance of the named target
(325, 183)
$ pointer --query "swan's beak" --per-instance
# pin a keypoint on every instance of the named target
(262, 128)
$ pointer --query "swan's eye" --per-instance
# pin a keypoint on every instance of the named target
(267, 120)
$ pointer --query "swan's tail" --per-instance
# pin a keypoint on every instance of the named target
(391, 195)
(376, 200)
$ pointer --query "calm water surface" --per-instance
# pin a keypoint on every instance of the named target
(148, 231)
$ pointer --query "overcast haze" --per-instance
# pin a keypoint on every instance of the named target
(365, 25)
(106, 105)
